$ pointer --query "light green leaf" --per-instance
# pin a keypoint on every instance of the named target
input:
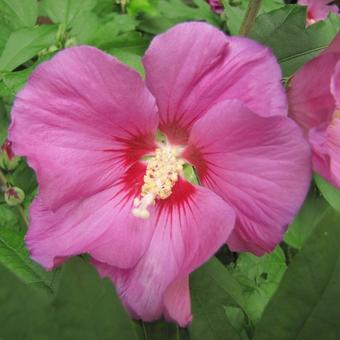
(66, 11)
(234, 16)
(212, 289)
(306, 305)
(285, 31)
(24, 44)
(331, 194)
(259, 278)
(107, 33)
(19, 13)
(304, 223)
(84, 26)
(130, 59)
(11, 82)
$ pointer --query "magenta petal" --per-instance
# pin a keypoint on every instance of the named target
(101, 225)
(177, 302)
(80, 120)
(193, 66)
(190, 226)
(260, 166)
(311, 102)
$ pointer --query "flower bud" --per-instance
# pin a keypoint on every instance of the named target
(14, 196)
(8, 161)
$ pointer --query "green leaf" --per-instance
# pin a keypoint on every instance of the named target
(19, 13)
(331, 194)
(130, 42)
(66, 11)
(25, 313)
(259, 278)
(84, 26)
(234, 16)
(306, 305)
(15, 257)
(9, 217)
(171, 12)
(130, 59)
(212, 289)
(160, 330)
(12, 82)
(106, 34)
(24, 44)
(83, 307)
(284, 30)
(304, 223)
(270, 5)
(88, 308)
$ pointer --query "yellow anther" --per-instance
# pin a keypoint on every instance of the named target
(161, 175)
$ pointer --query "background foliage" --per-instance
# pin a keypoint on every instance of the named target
(292, 293)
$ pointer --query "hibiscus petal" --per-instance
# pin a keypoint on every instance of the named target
(333, 146)
(177, 302)
(335, 85)
(260, 166)
(311, 102)
(317, 138)
(193, 66)
(190, 227)
(80, 120)
(101, 225)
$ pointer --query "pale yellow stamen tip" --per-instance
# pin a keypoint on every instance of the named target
(162, 173)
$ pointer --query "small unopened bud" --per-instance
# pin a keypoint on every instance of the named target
(8, 161)
(7, 148)
(14, 196)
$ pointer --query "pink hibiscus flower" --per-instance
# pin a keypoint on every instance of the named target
(314, 103)
(318, 9)
(216, 6)
(88, 126)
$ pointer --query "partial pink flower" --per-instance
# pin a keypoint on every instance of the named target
(318, 9)
(314, 103)
(87, 125)
(216, 6)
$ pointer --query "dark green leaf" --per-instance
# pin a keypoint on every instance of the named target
(212, 289)
(172, 12)
(306, 305)
(160, 330)
(331, 194)
(84, 307)
(87, 307)
(24, 44)
(25, 313)
(130, 42)
(304, 223)
(15, 257)
(284, 30)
